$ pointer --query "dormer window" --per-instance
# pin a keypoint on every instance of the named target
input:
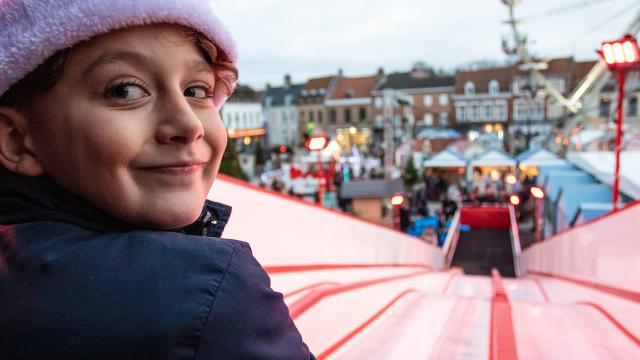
(469, 88)
(494, 87)
(288, 100)
(349, 94)
(313, 92)
(322, 91)
(304, 92)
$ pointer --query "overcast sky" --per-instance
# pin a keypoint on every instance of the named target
(311, 38)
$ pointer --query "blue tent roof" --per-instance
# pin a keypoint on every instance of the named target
(590, 211)
(575, 195)
(438, 134)
(545, 170)
(560, 181)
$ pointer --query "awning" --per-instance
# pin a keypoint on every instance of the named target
(601, 164)
(493, 158)
(446, 158)
(539, 157)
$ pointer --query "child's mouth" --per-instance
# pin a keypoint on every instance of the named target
(177, 169)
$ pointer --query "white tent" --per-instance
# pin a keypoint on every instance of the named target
(540, 157)
(601, 165)
(445, 159)
(493, 158)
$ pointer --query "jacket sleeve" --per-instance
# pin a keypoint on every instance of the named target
(248, 320)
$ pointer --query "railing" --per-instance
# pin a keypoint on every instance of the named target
(451, 241)
(515, 241)
(603, 252)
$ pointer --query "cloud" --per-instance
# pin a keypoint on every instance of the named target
(314, 37)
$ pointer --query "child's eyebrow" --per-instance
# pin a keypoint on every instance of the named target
(114, 57)
(200, 66)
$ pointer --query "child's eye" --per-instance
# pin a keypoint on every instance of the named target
(199, 92)
(127, 92)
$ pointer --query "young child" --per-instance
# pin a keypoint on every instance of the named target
(110, 139)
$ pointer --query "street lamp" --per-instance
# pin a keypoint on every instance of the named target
(620, 56)
(396, 201)
(317, 143)
(538, 196)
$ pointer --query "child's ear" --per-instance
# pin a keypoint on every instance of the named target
(15, 144)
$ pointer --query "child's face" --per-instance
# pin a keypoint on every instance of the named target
(131, 126)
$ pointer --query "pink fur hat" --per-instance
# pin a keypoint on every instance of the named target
(33, 30)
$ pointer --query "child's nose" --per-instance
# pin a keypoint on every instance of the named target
(179, 124)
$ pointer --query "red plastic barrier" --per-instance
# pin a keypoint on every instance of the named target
(486, 217)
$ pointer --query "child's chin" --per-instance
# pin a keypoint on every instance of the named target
(168, 221)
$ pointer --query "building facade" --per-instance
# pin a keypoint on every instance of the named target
(242, 113)
(312, 112)
(281, 114)
(483, 98)
(427, 96)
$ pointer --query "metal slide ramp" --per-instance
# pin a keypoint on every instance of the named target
(414, 313)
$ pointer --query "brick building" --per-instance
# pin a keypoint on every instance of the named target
(312, 113)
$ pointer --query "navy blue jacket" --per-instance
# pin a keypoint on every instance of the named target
(76, 283)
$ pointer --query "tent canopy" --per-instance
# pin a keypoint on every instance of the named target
(438, 134)
(543, 174)
(560, 181)
(493, 157)
(539, 157)
(575, 195)
(601, 164)
(590, 211)
(446, 158)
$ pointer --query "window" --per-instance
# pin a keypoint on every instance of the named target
(378, 102)
(501, 111)
(474, 112)
(288, 100)
(469, 88)
(378, 121)
(488, 111)
(605, 107)
(311, 119)
(302, 115)
(520, 110)
(444, 119)
(332, 116)
(347, 115)
(320, 116)
(428, 101)
(363, 115)
(494, 87)
(428, 119)
(632, 109)
(443, 99)
(461, 113)
(268, 101)
(538, 110)
(303, 92)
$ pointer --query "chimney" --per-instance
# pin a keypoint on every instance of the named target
(380, 73)
(287, 81)
(340, 73)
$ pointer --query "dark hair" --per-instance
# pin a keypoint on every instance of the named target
(39, 81)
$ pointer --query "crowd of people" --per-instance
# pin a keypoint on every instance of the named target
(437, 197)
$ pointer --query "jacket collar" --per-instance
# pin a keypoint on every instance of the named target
(27, 199)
